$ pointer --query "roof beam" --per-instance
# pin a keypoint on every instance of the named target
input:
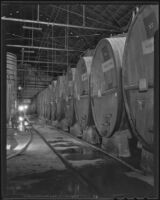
(41, 48)
(51, 23)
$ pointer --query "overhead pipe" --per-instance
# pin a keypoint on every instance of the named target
(40, 71)
(43, 48)
(42, 85)
(33, 80)
(51, 23)
(45, 62)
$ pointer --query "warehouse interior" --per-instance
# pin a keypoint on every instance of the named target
(80, 99)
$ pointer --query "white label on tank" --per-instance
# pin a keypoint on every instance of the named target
(143, 85)
(78, 97)
(148, 46)
(99, 93)
(106, 66)
(84, 76)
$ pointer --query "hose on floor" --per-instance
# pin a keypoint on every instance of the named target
(23, 149)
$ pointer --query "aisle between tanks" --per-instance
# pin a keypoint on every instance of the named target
(39, 172)
(79, 156)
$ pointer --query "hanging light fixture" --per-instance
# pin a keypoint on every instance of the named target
(32, 28)
(19, 87)
(25, 51)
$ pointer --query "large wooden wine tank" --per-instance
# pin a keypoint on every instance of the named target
(11, 83)
(81, 90)
(69, 98)
(106, 91)
(138, 70)
(60, 97)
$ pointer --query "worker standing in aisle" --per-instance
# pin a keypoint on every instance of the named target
(14, 119)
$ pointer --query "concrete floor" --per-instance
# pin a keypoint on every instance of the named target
(38, 171)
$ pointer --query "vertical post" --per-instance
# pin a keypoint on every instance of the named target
(65, 45)
(84, 15)
(52, 47)
(48, 57)
(32, 38)
(3, 112)
(67, 33)
(22, 63)
(156, 114)
(38, 12)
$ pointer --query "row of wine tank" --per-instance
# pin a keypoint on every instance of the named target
(113, 83)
